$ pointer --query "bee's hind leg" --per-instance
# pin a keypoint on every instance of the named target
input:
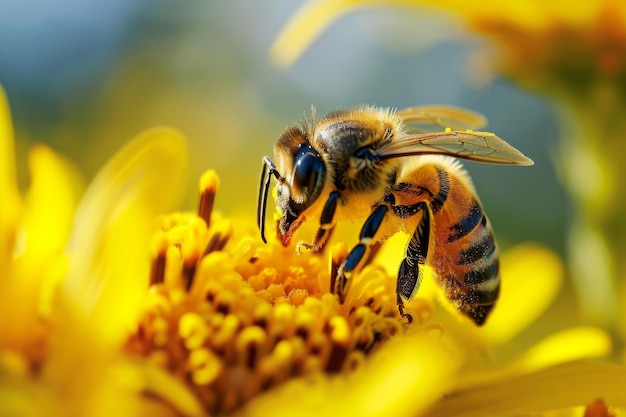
(359, 254)
(410, 273)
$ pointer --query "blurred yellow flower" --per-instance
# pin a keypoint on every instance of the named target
(535, 38)
(72, 274)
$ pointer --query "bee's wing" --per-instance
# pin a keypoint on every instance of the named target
(475, 146)
(445, 116)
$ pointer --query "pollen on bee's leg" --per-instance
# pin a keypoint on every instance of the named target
(158, 255)
(209, 183)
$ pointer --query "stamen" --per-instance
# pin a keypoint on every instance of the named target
(192, 330)
(205, 366)
(216, 243)
(158, 250)
(598, 408)
(208, 187)
(250, 344)
(340, 337)
(173, 262)
(191, 255)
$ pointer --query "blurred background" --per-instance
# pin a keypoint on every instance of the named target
(87, 76)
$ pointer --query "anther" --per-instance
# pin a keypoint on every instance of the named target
(193, 330)
(249, 345)
(205, 365)
(157, 268)
(340, 339)
(191, 256)
(218, 239)
(208, 187)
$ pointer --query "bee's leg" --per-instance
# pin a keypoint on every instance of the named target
(410, 273)
(327, 225)
(358, 255)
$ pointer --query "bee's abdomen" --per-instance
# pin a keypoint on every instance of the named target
(461, 247)
(471, 277)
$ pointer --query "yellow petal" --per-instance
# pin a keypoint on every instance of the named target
(561, 347)
(315, 16)
(50, 202)
(567, 345)
(405, 376)
(171, 391)
(108, 248)
(305, 26)
(531, 277)
(562, 386)
(10, 207)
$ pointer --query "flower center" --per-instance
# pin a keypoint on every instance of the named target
(232, 317)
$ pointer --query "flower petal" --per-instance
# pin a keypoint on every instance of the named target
(564, 346)
(108, 248)
(11, 202)
(567, 345)
(305, 26)
(38, 259)
(170, 390)
(50, 202)
(562, 386)
(405, 376)
(531, 277)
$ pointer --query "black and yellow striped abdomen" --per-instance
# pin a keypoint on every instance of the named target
(466, 258)
(455, 237)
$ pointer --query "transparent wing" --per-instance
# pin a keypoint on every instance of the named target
(475, 146)
(445, 116)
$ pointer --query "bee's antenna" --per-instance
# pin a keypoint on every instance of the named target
(264, 185)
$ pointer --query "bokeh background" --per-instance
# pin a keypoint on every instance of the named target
(87, 76)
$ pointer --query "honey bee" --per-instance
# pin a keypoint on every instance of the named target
(373, 164)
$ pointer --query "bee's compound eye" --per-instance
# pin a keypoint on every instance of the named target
(309, 173)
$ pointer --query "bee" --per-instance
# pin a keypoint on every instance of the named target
(373, 164)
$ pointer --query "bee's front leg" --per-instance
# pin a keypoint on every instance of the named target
(358, 255)
(327, 225)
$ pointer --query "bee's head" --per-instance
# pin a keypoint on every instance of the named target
(301, 174)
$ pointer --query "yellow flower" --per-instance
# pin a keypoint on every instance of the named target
(233, 318)
(212, 323)
(33, 232)
(534, 38)
(72, 275)
(203, 319)
(252, 329)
